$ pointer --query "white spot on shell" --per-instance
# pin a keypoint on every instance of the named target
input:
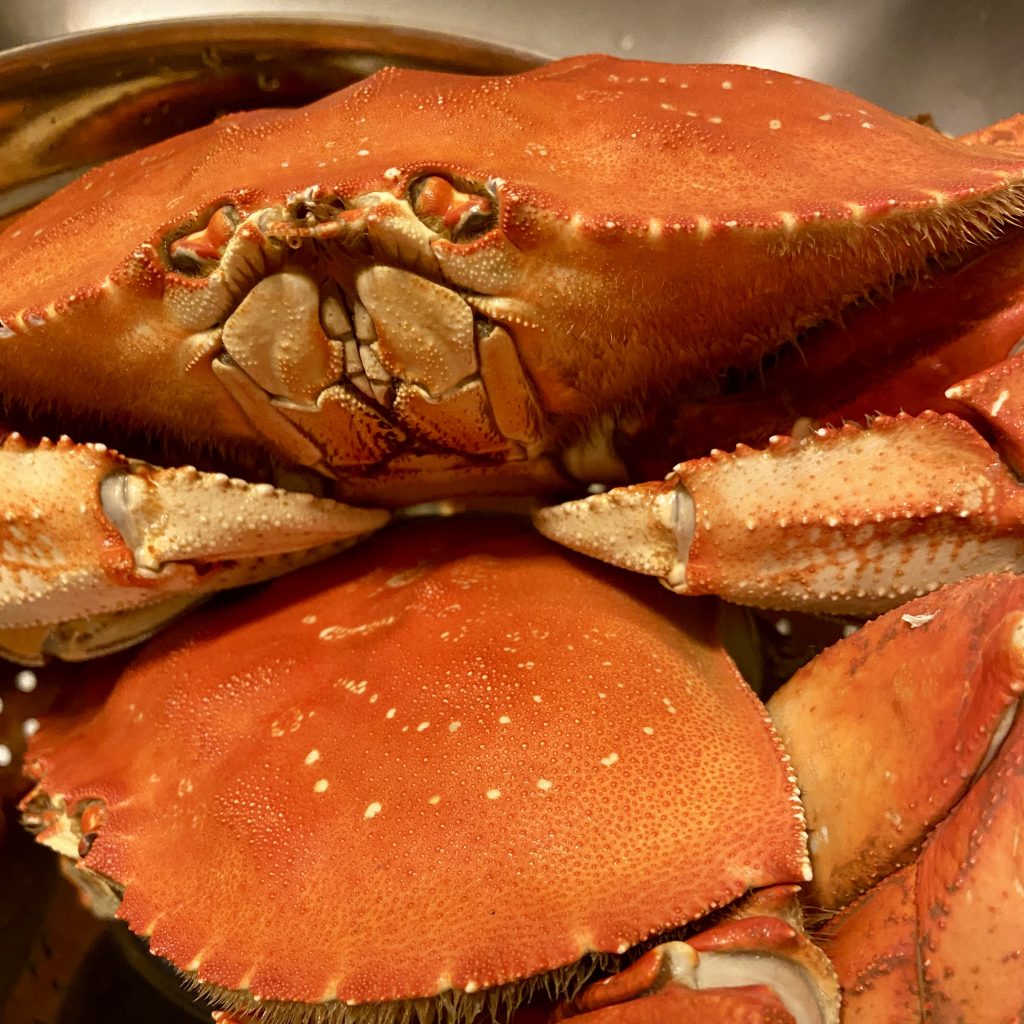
(313, 756)
(774, 124)
(5, 755)
(504, 720)
(422, 726)
(999, 402)
(454, 726)
(493, 794)
(824, 117)
(30, 727)
(611, 759)
(434, 800)
(320, 786)
(544, 785)
(913, 621)
(372, 810)
(26, 681)
(727, 85)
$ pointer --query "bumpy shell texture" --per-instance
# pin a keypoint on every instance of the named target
(457, 759)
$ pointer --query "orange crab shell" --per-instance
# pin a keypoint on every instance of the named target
(636, 200)
(458, 759)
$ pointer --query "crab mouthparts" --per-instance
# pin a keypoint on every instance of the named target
(346, 347)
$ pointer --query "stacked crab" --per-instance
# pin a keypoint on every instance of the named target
(460, 771)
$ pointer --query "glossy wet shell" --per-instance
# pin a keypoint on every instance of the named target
(615, 145)
(459, 758)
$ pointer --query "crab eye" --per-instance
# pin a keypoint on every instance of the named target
(199, 251)
(458, 215)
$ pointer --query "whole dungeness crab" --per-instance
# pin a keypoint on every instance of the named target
(481, 290)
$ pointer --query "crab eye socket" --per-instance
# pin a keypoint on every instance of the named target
(452, 212)
(198, 251)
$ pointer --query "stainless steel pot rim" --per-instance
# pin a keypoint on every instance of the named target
(238, 29)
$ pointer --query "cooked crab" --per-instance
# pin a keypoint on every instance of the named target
(461, 769)
(432, 288)
(430, 285)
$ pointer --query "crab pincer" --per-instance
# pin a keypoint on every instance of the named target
(99, 551)
(845, 520)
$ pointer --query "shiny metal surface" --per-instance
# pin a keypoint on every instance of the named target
(958, 59)
(79, 100)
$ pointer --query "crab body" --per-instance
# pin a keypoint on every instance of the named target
(482, 269)
(433, 287)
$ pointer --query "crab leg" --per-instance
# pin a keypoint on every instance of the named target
(932, 691)
(847, 521)
(89, 535)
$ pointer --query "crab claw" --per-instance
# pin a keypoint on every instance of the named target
(99, 551)
(821, 524)
(943, 934)
(959, 653)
